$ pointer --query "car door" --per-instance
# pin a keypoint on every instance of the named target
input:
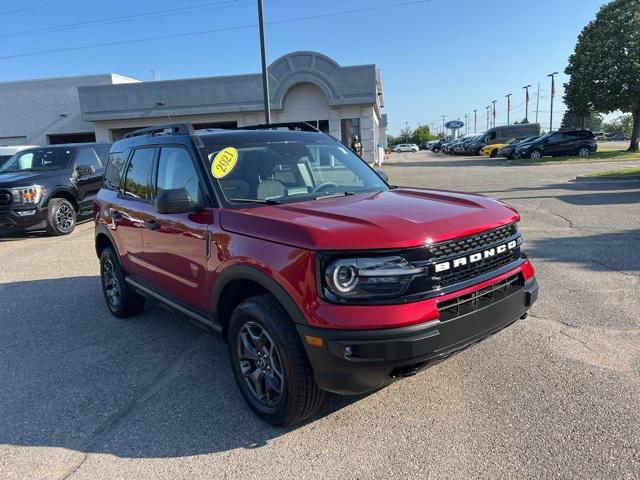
(87, 176)
(134, 207)
(176, 246)
(554, 144)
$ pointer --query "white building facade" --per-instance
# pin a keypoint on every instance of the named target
(304, 86)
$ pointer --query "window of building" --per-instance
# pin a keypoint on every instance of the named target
(60, 138)
(137, 183)
(350, 128)
(176, 170)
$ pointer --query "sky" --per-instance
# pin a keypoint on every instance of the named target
(436, 57)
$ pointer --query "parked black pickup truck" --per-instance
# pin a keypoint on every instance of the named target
(46, 188)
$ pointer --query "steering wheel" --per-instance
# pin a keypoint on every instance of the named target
(323, 186)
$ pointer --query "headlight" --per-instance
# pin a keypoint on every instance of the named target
(30, 195)
(369, 277)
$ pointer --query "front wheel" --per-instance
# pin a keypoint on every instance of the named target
(493, 154)
(535, 155)
(269, 363)
(584, 152)
(61, 217)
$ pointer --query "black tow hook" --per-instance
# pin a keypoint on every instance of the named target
(526, 314)
(403, 372)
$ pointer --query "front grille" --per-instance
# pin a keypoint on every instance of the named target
(465, 245)
(469, 272)
(5, 198)
(464, 304)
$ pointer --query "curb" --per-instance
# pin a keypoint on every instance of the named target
(609, 178)
(573, 162)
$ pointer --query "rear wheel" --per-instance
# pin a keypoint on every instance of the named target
(584, 152)
(61, 217)
(122, 300)
(269, 363)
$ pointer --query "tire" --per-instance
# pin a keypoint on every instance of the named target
(121, 299)
(61, 217)
(262, 341)
(584, 152)
(493, 154)
(535, 155)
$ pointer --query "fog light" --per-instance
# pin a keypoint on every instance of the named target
(348, 351)
(26, 213)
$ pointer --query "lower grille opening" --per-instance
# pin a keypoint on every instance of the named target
(464, 304)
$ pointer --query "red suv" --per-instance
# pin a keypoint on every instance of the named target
(318, 274)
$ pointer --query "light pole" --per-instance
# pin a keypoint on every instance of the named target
(475, 122)
(265, 75)
(526, 102)
(494, 112)
(553, 94)
(466, 123)
(443, 127)
(508, 108)
(488, 108)
(538, 102)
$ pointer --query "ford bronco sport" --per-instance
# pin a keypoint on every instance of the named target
(46, 188)
(318, 274)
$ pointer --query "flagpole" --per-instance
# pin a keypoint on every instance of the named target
(509, 108)
(553, 94)
(526, 115)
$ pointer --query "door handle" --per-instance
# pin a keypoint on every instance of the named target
(151, 224)
(115, 214)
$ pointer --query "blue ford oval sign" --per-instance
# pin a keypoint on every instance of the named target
(454, 124)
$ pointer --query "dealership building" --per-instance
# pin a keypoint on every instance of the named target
(344, 101)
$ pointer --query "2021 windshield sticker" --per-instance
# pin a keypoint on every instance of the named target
(224, 162)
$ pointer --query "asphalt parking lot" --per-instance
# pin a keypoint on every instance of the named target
(86, 396)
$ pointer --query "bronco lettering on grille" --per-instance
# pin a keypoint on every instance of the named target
(476, 257)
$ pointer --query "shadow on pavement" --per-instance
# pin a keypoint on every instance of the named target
(156, 385)
(616, 251)
(10, 236)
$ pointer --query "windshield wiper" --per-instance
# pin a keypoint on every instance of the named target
(255, 200)
(333, 195)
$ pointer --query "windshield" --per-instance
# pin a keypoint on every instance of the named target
(39, 159)
(281, 172)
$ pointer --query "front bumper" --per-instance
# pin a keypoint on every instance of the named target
(378, 357)
(22, 220)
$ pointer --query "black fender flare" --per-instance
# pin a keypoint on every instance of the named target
(245, 272)
(66, 190)
(101, 229)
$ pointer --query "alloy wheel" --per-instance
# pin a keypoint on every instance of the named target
(260, 364)
(111, 283)
(584, 152)
(64, 217)
(535, 155)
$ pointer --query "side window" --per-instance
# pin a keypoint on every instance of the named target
(102, 151)
(115, 169)
(176, 170)
(87, 158)
(137, 183)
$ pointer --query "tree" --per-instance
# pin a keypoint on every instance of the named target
(585, 118)
(604, 69)
(406, 134)
(622, 124)
(422, 134)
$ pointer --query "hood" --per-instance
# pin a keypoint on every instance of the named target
(399, 218)
(18, 179)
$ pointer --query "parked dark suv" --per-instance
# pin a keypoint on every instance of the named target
(557, 144)
(48, 187)
(318, 274)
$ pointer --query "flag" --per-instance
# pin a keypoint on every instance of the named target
(553, 87)
(527, 100)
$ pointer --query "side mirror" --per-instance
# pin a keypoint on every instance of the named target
(383, 175)
(176, 200)
(85, 170)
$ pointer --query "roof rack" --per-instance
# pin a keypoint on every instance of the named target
(301, 126)
(171, 129)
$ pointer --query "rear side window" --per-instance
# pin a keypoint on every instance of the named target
(87, 157)
(114, 172)
(102, 151)
(176, 170)
(137, 183)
